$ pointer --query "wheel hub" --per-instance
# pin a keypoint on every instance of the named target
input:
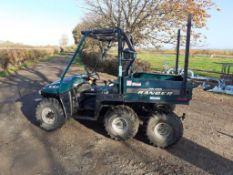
(48, 115)
(163, 129)
(120, 125)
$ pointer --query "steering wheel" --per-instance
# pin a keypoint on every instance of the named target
(91, 73)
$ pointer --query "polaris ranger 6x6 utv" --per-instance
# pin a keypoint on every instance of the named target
(133, 98)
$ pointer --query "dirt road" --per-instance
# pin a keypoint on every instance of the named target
(83, 147)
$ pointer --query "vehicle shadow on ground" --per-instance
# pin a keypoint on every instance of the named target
(27, 92)
(28, 109)
(201, 157)
(185, 149)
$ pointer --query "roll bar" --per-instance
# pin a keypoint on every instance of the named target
(177, 52)
(187, 49)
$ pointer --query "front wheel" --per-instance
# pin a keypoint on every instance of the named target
(121, 122)
(49, 114)
(164, 130)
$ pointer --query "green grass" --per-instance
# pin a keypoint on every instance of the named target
(196, 62)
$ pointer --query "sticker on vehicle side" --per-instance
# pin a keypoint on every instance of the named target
(154, 98)
(153, 91)
(53, 86)
(130, 83)
(136, 84)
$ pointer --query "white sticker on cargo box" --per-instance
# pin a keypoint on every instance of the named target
(128, 83)
(136, 84)
(154, 98)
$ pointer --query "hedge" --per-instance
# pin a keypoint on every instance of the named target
(14, 57)
(110, 64)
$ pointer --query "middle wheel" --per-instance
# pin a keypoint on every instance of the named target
(121, 122)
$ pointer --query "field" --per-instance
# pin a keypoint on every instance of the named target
(201, 62)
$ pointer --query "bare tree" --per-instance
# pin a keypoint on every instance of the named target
(149, 21)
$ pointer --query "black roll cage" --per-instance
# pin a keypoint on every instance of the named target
(119, 36)
(114, 35)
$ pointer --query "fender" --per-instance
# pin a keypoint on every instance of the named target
(67, 105)
(64, 99)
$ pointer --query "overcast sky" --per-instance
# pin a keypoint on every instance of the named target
(42, 22)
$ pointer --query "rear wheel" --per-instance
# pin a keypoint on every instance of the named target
(164, 130)
(121, 122)
(49, 114)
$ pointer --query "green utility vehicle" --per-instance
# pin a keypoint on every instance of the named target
(123, 104)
